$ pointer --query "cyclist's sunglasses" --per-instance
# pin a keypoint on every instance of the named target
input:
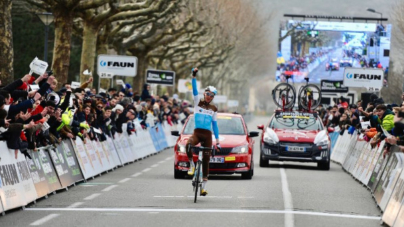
(210, 94)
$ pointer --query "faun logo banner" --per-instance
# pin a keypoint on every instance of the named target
(367, 78)
(117, 65)
(161, 77)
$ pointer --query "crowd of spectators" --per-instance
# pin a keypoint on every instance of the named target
(377, 121)
(32, 118)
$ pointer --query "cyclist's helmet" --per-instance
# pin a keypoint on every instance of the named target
(211, 89)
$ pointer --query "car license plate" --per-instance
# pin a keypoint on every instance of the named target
(216, 160)
(296, 149)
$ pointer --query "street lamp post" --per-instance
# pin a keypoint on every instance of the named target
(374, 11)
(377, 33)
(47, 19)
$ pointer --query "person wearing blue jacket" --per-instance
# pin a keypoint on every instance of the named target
(205, 115)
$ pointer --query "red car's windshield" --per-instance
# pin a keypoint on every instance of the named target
(227, 126)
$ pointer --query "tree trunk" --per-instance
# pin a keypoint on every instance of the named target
(102, 48)
(139, 80)
(89, 50)
(6, 43)
(61, 50)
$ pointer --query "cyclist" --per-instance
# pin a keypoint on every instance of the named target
(205, 115)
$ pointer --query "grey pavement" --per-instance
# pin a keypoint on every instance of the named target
(145, 193)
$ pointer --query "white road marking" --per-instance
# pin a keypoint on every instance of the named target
(168, 158)
(208, 211)
(145, 170)
(109, 188)
(124, 180)
(93, 196)
(136, 174)
(192, 196)
(44, 219)
(74, 205)
(155, 165)
(287, 199)
(161, 162)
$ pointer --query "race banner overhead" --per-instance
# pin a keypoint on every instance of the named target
(161, 77)
(117, 65)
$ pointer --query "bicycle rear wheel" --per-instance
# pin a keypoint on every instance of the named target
(303, 96)
(197, 172)
(284, 91)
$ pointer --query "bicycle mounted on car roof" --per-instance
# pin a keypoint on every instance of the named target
(284, 96)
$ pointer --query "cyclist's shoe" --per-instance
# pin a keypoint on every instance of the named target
(191, 171)
(204, 192)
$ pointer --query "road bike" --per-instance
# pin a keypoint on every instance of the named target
(197, 178)
(284, 94)
(309, 96)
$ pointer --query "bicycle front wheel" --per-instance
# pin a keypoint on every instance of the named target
(310, 92)
(197, 172)
(284, 93)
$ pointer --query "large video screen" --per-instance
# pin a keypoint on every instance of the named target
(320, 50)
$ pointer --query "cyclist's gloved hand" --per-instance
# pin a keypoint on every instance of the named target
(218, 147)
(194, 71)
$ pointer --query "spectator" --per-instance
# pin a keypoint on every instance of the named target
(354, 115)
(342, 103)
(145, 93)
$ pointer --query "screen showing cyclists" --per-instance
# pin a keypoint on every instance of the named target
(323, 49)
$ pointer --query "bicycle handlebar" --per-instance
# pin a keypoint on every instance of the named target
(204, 148)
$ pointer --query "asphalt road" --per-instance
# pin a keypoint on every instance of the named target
(145, 193)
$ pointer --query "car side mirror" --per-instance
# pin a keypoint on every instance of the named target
(253, 134)
(330, 129)
(175, 133)
(260, 127)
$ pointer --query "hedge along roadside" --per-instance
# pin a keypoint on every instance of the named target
(24, 180)
(384, 177)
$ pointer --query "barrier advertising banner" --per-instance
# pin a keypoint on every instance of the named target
(119, 148)
(392, 177)
(71, 159)
(126, 148)
(16, 185)
(50, 172)
(86, 164)
(153, 135)
(103, 146)
(398, 196)
(396, 199)
(106, 159)
(161, 137)
(38, 175)
(66, 165)
(115, 152)
(384, 179)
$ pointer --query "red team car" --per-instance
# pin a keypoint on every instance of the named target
(237, 144)
(295, 136)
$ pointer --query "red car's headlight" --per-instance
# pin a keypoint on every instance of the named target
(181, 148)
(240, 149)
